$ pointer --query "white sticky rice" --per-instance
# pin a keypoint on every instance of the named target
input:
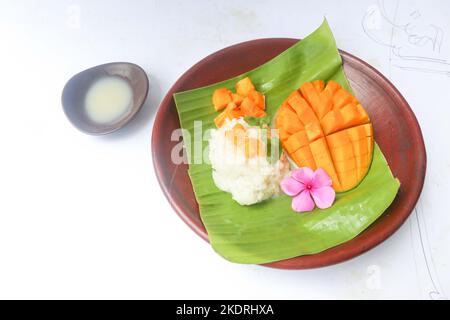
(248, 180)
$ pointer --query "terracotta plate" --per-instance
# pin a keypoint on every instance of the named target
(396, 131)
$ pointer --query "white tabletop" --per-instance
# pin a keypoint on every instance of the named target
(84, 217)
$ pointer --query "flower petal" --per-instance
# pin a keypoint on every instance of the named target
(303, 202)
(305, 175)
(321, 179)
(291, 186)
(323, 197)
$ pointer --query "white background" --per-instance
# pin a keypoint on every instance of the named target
(84, 217)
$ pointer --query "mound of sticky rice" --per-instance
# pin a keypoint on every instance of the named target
(241, 166)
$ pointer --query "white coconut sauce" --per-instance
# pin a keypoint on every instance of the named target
(108, 99)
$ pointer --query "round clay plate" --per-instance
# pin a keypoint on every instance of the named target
(396, 131)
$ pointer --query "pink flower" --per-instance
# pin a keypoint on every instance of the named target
(308, 189)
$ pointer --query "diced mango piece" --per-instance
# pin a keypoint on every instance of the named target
(237, 98)
(258, 98)
(221, 98)
(230, 112)
(244, 87)
(249, 108)
(220, 119)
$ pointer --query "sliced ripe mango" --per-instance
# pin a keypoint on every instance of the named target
(313, 131)
(345, 167)
(331, 130)
(370, 144)
(341, 98)
(358, 132)
(347, 173)
(332, 122)
(318, 85)
(304, 158)
(220, 119)
(350, 115)
(342, 153)
(322, 158)
(362, 165)
(290, 123)
(311, 96)
(326, 103)
(363, 116)
(283, 135)
(360, 147)
(301, 107)
(296, 141)
(338, 139)
(332, 86)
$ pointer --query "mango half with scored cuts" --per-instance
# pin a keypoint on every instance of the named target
(326, 127)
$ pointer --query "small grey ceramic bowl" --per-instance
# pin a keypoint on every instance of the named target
(75, 90)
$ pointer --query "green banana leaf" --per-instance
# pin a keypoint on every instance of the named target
(271, 231)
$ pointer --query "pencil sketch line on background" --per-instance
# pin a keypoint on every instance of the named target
(414, 44)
